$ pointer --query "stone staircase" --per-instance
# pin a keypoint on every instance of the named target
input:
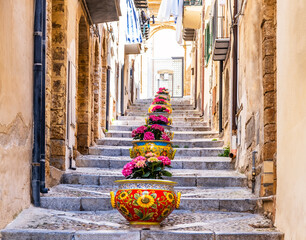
(216, 203)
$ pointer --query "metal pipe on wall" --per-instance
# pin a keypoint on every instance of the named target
(37, 74)
(235, 77)
(220, 95)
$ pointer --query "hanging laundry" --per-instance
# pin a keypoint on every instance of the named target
(133, 30)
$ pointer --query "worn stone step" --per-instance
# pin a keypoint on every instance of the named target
(184, 177)
(125, 151)
(204, 163)
(68, 197)
(177, 135)
(176, 119)
(176, 123)
(174, 114)
(174, 107)
(181, 111)
(47, 224)
(173, 128)
(194, 143)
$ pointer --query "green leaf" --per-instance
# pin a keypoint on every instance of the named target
(136, 195)
(154, 195)
(138, 213)
(148, 217)
(166, 173)
(157, 169)
(154, 206)
(146, 175)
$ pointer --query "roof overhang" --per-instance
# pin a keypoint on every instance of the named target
(220, 50)
(132, 48)
(104, 10)
(192, 17)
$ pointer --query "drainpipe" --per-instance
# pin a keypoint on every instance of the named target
(43, 188)
(122, 90)
(220, 95)
(196, 78)
(38, 25)
(235, 44)
(107, 97)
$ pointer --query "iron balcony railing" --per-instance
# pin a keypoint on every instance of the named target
(192, 2)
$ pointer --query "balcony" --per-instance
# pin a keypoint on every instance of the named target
(193, 3)
(192, 14)
(102, 11)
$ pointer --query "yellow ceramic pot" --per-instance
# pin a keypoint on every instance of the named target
(157, 147)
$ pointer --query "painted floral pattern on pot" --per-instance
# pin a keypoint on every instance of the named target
(159, 148)
(146, 206)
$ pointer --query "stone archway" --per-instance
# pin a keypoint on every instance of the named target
(83, 90)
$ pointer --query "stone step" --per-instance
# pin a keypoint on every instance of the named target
(176, 123)
(174, 114)
(182, 111)
(174, 107)
(176, 119)
(184, 177)
(177, 135)
(198, 143)
(66, 197)
(47, 224)
(204, 163)
(125, 151)
(173, 128)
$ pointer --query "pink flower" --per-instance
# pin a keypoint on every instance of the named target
(157, 127)
(128, 169)
(164, 119)
(140, 164)
(138, 159)
(167, 110)
(165, 160)
(148, 136)
(150, 154)
(165, 137)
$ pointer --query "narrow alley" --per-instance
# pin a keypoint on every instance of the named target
(152, 120)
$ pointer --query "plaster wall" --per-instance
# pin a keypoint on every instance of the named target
(16, 87)
(250, 97)
(291, 119)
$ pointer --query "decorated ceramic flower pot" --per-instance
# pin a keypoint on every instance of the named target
(166, 96)
(157, 147)
(153, 106)
(145, 201)
(169, 119)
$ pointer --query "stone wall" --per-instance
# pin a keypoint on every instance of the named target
(16, 107)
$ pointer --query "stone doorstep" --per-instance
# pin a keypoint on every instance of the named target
(37, 224)
(112, 162)
(199, 143)
(125, 151)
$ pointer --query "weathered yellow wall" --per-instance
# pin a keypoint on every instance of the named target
(16, 86)
(291, 119)
(250, 93)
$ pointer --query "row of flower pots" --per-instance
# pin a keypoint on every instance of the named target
(144, 197)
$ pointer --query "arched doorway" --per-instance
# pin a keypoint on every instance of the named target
(83, 96)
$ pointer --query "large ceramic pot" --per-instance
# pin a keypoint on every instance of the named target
(168, 106)
(158, 147)
(163, 125)
(145, 201)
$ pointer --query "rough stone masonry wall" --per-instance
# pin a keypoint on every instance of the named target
(268, 25)
(58, 84)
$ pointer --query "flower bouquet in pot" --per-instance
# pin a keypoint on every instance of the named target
(159, 119)
(160, 109)
(144, 198)
(152, 138)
